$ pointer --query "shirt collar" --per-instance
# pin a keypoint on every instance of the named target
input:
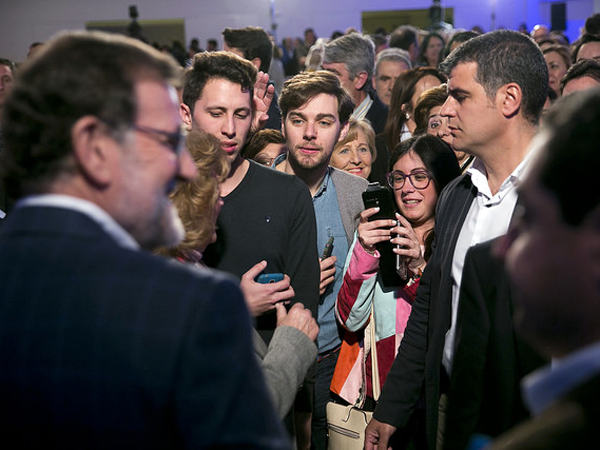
(324, 184)
(91, 210)
(360, 112)
(546, 385)
(479, 178)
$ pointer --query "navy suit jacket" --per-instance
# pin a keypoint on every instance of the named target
(106, 347)
(377, 114)
(419, 360)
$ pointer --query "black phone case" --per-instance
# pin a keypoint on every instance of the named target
(381, 196)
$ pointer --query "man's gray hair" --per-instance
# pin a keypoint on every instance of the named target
(395, 55)
(354, 50)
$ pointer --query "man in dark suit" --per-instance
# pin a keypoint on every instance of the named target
(497, 87)
(352, 59)
(552, 258)
(490, 359)
(103, 345)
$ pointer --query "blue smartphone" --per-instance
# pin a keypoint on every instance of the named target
(266, 278)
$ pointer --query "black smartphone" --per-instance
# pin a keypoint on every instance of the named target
(379, 196)
(392, 267)
(328, 249)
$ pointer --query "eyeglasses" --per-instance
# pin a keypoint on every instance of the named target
(420, 179)
(174, 141)
(264, 160)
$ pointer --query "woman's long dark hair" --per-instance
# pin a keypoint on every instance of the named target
(439, 160)
(402, 94)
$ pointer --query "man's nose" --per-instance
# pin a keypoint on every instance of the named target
(187, 168)
(310, 131)
(228, 127)
(448, 107)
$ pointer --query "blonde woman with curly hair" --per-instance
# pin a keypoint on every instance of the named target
(198, 201)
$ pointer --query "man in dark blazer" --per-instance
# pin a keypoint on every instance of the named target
(551, 256)
(352, 59)
(490, 359)
(102, 344)
(497, 84)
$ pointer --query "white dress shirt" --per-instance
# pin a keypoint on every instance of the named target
(488, 218)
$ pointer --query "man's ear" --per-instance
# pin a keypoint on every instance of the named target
(510, 96)
(359, 80)
(93, 149)
(256, 62)
(344, 131)
(186, 116)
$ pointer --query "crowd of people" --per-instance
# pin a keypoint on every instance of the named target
(185, 233)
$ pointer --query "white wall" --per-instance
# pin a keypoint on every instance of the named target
(25, 21)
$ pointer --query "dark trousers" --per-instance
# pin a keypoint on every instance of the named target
(325, 369)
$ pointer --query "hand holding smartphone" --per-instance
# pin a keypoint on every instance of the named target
(267, 278)
(391, 265)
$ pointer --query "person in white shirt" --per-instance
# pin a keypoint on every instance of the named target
(497, 85)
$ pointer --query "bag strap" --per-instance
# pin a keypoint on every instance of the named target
(375, 384)
(370, 346)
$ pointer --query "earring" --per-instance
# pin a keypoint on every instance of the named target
(407, 115)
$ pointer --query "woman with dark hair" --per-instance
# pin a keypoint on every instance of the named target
(408, 86)
(558, 60)
(432, 50)
(419, 169)
(265, 146)
(429, 120)
(459, 38)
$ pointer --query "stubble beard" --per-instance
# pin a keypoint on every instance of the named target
(308, 162)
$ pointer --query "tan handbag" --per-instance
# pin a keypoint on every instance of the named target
(346, 424)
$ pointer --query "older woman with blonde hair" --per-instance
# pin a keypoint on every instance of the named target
(198, 201)
(356, 152)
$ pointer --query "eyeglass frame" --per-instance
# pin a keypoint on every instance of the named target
(409, 176)
(267, 161)
(175, 141)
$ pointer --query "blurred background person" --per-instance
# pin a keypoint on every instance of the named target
(457, 39)
(390, 63)
(432, 50)
(558, 60)
(582, 75)
(406, 37)
(587, 48)
(265, 146)
(356, 152)
(400, 122)
(539, 33)
(303, 46)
